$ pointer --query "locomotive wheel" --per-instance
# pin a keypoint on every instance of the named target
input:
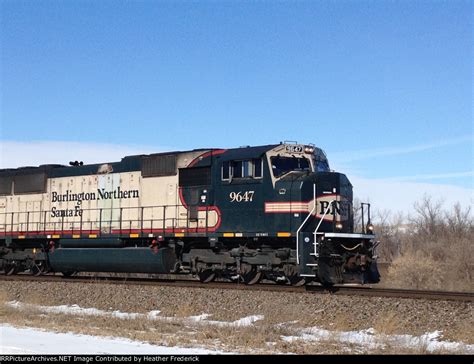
(39, 268)
(206, 276)
(251, 277)
(11, 269)
(296, 280)
(67, 274)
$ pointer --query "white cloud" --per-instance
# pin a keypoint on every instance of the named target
(401, 195)
(355, 155)
(418, 177)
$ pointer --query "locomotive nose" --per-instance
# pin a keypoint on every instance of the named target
(331, 183)
(333, 192)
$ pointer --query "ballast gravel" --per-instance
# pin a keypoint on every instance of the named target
(333, 312)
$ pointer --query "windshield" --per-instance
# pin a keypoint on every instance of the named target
(321, 166)
(320, 161)
(283, 165)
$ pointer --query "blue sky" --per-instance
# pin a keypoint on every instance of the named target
(384, 87)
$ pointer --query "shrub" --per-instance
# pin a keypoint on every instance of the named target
(415, 270)
(432, 249)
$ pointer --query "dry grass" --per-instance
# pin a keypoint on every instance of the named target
(284, 315)
(388, 323)
(461, 330)
(35, 298)
(418, 270)
(344, 321)
(261, 338)
(415, 270)
(184, 310)
(3, 298)
(434, 252)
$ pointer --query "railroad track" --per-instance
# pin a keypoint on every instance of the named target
(335, 290)
(180, 282)
(400, 293)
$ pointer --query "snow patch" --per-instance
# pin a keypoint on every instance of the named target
(152, 315)
(198, 318)
(243, 322)
(34, 341)
(371, 339)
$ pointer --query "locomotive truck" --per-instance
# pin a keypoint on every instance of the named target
(274, 211)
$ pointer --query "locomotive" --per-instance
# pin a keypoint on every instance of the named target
(274, 211)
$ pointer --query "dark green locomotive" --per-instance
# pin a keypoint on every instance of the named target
(276, 212)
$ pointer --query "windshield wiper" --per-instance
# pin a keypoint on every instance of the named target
(287, 173)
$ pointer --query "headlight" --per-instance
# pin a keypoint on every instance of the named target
(370, 228)
(308, 149)
(339, 226)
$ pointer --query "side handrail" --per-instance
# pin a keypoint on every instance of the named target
(322, 217)
(315, 242)
(23, 221)
(302, 224)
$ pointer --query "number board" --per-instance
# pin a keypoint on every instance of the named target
(294, 149)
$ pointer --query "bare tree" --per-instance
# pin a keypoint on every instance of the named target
(460, 222)
(429, 216)
(436, 249)
(357, 214)
(389, 231)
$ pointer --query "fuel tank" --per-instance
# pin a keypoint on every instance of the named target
(131, 260)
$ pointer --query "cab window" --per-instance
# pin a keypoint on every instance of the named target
(284, 165)
(249, 168)
(225, 174)
(237, 169)
(257, 168)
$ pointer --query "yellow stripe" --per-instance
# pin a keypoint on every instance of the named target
(56, 236)
(76, 236)
(92, 236)
(283, 235)
(134, 235)
(228, 235)
(179, 235)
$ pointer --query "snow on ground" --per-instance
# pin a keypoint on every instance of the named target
(152, 315)
(371, 340)
(34, 341)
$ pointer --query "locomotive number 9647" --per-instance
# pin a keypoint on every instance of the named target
(241, 196)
